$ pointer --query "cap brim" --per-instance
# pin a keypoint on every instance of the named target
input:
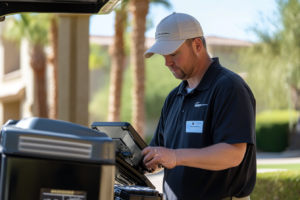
(164, 47)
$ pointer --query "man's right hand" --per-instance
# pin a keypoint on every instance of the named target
(159, 155)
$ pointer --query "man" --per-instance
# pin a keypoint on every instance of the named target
(205, 138)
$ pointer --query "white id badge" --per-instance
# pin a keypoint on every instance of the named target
(194, 127)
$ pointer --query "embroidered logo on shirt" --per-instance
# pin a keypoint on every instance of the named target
(198, 104)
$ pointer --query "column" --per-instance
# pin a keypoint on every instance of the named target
(73, 68)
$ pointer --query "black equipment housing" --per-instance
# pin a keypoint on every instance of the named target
(131, 183)
(8, 7)
(49, 159)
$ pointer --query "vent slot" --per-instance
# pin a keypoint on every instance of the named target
(55, 147)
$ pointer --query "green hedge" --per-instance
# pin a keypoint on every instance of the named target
(272, 128)
(284, 185)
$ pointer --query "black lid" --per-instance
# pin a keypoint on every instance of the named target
(128, 146)
(55, 126)
(55, 139)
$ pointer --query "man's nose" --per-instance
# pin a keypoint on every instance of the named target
(168, 60)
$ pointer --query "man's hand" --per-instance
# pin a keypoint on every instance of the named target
(159, 155)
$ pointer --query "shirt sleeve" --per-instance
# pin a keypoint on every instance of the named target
(234, 118)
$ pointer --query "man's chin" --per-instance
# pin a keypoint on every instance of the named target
(179, 76)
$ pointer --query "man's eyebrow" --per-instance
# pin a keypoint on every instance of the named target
(174, 52)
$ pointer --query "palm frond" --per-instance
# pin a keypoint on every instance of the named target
(33, 27)
(165, 3)
(13, 30)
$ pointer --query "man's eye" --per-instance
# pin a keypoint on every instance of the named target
(174, 54)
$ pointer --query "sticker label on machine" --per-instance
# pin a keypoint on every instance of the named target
(55, 194)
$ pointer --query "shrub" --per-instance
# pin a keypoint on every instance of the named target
(272, 128)
(283, 185)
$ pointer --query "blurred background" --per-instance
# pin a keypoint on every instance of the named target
(84, 69)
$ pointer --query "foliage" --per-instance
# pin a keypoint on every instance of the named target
(159, 82)
(277, 185)
(277, 116)
(290, 11)
(127, 43)
(272, 137)
(99, 104)
(272, 129)
(34, 27)
(123, 10)
(273, 64)
(98, 57)
(165, 3)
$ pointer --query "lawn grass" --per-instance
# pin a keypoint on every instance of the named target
(281, 185)
(280, 166)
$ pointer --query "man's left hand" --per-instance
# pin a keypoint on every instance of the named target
(159, 155)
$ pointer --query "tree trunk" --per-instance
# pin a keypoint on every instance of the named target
(295, 96)
(294, 136)
(53, 59)
(117, 53)
(38, 64)
(139, 10)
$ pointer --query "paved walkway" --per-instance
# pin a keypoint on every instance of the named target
(287, 157)
(273, 161)
(284, 154)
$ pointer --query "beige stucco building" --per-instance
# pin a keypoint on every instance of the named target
(16, 80)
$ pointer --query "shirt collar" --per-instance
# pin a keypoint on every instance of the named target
(207, 79)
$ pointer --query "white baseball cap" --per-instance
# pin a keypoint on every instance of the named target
(172, 32)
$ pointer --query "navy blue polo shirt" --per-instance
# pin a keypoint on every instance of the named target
(221, 109)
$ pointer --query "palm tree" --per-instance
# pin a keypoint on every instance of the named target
(53, 60)
(139, 11)
(118, 57)
(33, 27)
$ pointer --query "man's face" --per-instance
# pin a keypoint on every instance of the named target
(182, 62)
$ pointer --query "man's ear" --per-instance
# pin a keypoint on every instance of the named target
(197, 44)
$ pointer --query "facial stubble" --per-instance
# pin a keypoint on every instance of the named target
(186, 75)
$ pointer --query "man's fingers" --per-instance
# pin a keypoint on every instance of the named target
(146, 151)
(149, 156)
(153, 163)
